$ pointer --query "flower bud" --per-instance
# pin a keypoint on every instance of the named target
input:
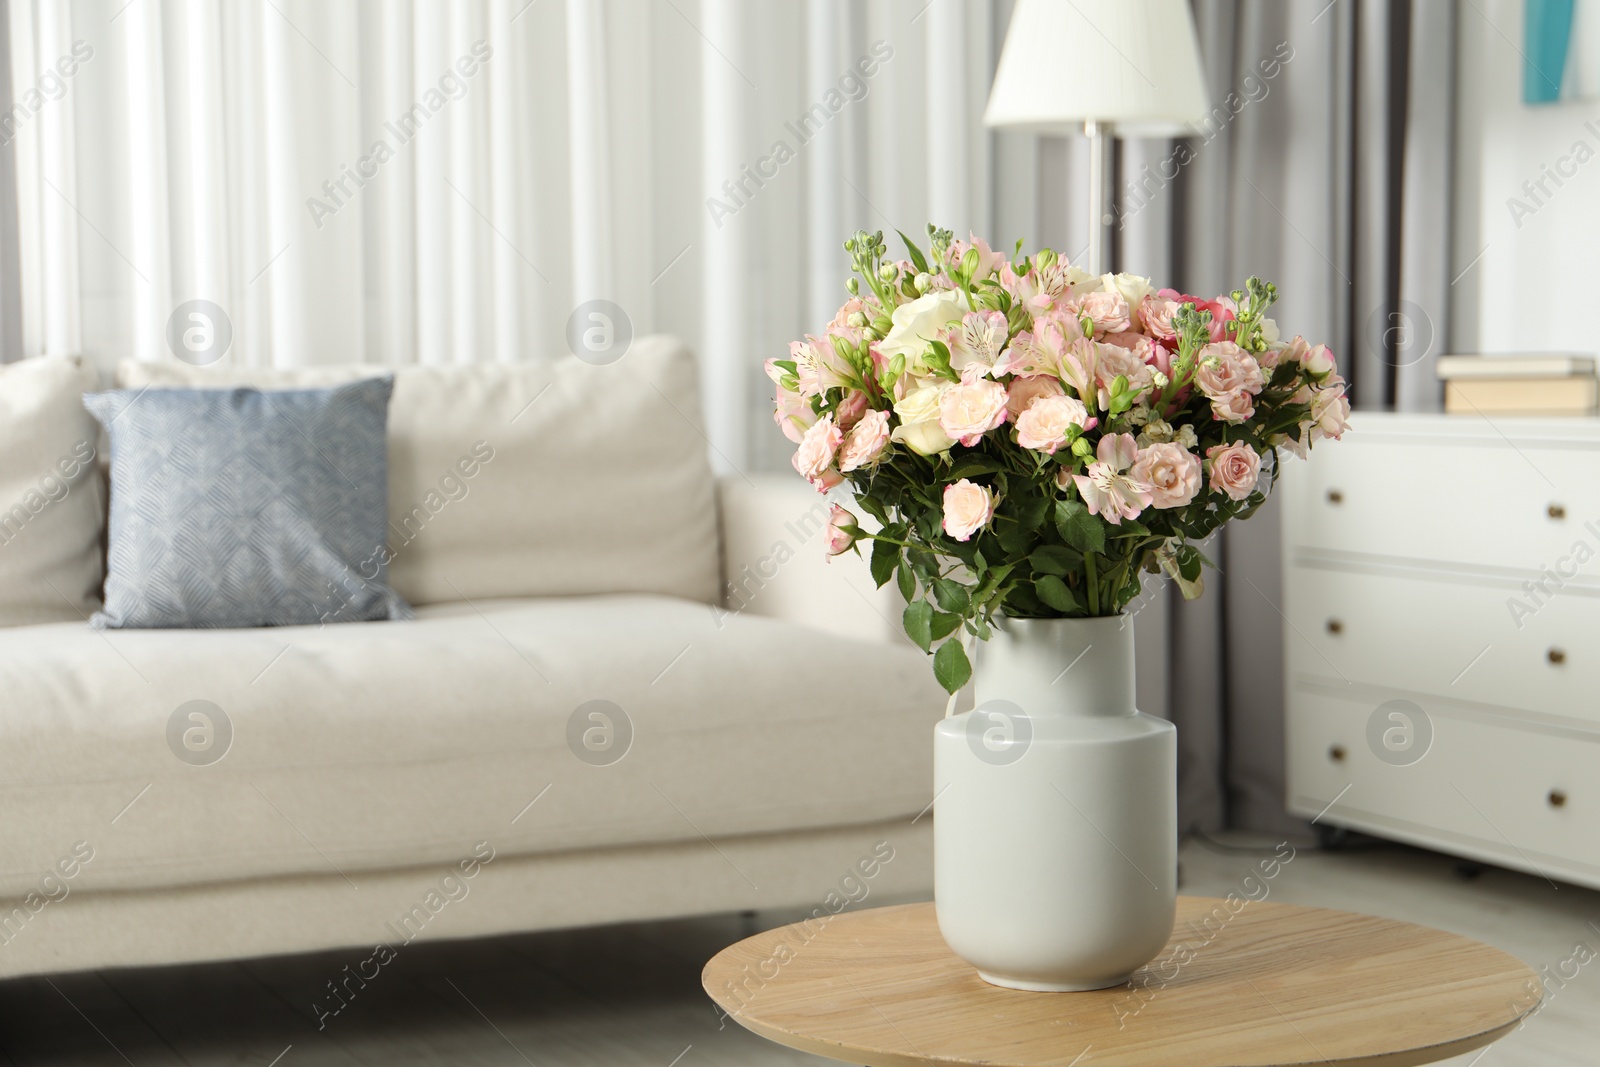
(923, 282)
(840, 523)
(1082, 449)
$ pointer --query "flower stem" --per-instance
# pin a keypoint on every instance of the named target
(1091, 583)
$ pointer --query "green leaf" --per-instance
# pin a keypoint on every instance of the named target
(918, 621)
(873, 508)
(926, 562)
(973, 463)
(885, 558)
(908, 582)
(1013, 538)
(918, 260)
(937, 359)
(1055, 559)
(951, 595)
(1030, 512)
(1054, 592)
(944, 624)
(1020, 601)
(1078, 528)
(950, 666)
(1189, 563)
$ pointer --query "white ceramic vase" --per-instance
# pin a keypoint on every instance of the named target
(1055, 819)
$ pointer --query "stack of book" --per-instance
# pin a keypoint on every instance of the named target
(1520, 385)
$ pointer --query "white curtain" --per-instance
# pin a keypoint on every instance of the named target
(399, 181)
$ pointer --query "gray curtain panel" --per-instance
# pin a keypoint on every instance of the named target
(1325, 168)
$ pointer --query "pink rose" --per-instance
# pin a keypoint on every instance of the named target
(1156, 311)
(1107, 311)
(1229, 377)
(839, 539)
(1118, 362)
(827, 480)
(1319, 362)
(1235, 469)
(1224, 368)
(865, 442)
(971, 409)
(850, 409)
(967, 509)
(1139, 345)
(1025, 390)
(1043, 426)
(1235, 407)
(817, 448)
(1330, 413)
(1171, 471)
(1108, 489)
(1293, 352)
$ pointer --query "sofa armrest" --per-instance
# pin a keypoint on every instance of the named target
(774, 563)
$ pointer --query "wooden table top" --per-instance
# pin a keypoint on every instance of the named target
(1267, 985)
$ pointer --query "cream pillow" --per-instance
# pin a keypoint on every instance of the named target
(52, 503)
(538, 479)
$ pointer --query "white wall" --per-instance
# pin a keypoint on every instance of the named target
(1535, 286)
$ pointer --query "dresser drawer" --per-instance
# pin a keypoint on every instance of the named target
(1481, 503)
(1452, 639)
(1527, 799)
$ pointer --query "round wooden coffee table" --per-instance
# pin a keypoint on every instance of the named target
(1265, 985)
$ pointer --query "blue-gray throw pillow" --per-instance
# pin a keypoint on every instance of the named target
(244, 507)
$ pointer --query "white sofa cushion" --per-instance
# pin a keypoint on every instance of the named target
(366, 747)
(541, 479)
(52, 503)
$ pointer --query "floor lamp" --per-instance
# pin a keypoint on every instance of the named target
(1103, 67)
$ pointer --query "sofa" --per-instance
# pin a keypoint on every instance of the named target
(633, 689)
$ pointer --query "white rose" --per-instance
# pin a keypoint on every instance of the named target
(1130, 287)
(914, 324)
(919, 428)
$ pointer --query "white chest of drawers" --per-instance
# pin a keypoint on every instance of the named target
(1442, 634)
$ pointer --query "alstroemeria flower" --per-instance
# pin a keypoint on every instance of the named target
(818, 367)
(977, 340)
(1107, 489)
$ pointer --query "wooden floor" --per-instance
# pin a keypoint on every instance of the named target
(629, 996)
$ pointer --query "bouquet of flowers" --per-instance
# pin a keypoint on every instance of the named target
(1030, 438)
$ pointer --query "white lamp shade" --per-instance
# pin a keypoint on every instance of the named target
(1134, 64)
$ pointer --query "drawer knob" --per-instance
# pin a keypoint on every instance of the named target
(1556, 656)
(1335, 626)
(1335, 496)
(1556, 511)
(1336, 753)
(1557, 798)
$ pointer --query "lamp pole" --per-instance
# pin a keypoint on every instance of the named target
(1099, 137)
